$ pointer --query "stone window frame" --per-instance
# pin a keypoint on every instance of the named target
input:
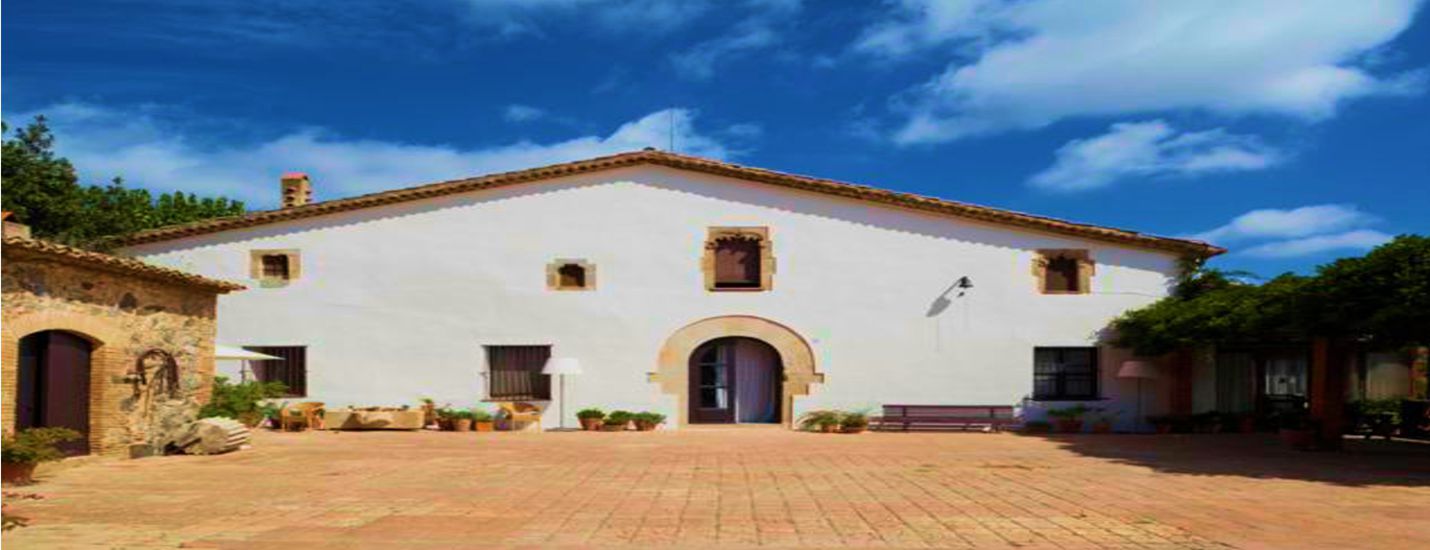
(767, 256)
(255, 266)
(1086, 268)
(553, 274)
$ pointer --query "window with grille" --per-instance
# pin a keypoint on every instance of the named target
(1063, 374)
(514, 373)
(291, 367)
(275, 266)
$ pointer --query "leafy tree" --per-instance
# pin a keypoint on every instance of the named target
(1382, 297)
(43, 191)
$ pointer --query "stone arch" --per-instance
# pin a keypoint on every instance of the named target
(106, 361)
(672, 370)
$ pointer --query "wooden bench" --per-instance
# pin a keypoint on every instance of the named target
(958, 417)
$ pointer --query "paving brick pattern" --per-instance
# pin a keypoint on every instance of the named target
(741, 487)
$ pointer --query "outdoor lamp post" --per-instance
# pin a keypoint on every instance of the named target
(562, 366)
(1141, 370)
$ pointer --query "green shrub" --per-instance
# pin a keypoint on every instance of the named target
(652, 418)
(36, 445)
(585, 414)
(854, 419)
(1074, 412)
(820, 419)
(241, 399)
(619, 418)
(480, 415)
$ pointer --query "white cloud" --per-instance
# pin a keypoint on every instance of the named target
(148, 150)
(751, 34)
(522, 113)
(1023, 65)
(1296, 232)
(1358, 240)
(1150, 149)
(1290, 223)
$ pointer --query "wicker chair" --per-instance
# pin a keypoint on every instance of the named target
(516, 411)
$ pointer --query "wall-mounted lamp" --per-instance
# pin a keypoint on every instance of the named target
(963, 284)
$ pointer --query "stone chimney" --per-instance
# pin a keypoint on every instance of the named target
(13, 228)
(297, 189)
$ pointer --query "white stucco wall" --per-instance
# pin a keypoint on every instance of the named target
(395, 303)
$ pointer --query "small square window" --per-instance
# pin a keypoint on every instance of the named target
(1065, 374)
(273, 268)
(1064, 271)
(569, 274)
(738, 258)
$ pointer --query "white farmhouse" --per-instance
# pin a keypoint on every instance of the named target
(707, 291)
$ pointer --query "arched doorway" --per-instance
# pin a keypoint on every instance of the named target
(796, 357)
(52, 385)
(735, 380)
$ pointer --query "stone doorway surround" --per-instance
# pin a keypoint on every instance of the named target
(673, 372)
(106, 362)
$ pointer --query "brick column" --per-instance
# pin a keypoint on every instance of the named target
(1182, 362)
(1328, 390)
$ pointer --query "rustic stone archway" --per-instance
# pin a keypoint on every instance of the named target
(672, 367)
(106, 361)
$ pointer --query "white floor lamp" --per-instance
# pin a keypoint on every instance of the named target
(1141, 370)
(560, 367)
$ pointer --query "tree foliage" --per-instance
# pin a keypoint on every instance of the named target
(1382, 297)
(43, 191)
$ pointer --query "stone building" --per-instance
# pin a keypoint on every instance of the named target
(114, 348)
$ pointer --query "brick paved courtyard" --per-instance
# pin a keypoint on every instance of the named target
(742, 487)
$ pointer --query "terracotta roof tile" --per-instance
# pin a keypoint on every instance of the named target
(19, 247)
(696, 164)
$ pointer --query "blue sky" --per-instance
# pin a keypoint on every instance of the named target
(1292, 132)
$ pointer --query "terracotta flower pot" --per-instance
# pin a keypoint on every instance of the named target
(485, 426)
(17, 473)
(1246, 425)
(1164, 428)
(462, 425)
(613, 427)
(591, 424)
(854, 429)
(644, 426)
(1070, 426)
(1102, 428)
(829, 428)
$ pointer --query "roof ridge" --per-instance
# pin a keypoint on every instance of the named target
(683, 162)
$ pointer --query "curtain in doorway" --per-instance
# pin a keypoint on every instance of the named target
(757, 382)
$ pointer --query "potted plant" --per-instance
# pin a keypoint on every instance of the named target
(483, 420)
(462, 421)
(27, 449)
(446, 418)
(591, 419)
(854, 422)
(1102, 424)
(617, 421)
(1068, 419)
(1037, 426)
(823, 421)
(647, 421)
(1162, 422)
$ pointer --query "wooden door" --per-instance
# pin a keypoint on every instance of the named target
(712, 383)
(52, 389)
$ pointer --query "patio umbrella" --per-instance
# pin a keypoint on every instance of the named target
(235, 353)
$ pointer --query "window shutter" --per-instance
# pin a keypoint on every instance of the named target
(514, 373)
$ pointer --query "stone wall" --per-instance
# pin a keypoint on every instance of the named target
(124, 316)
